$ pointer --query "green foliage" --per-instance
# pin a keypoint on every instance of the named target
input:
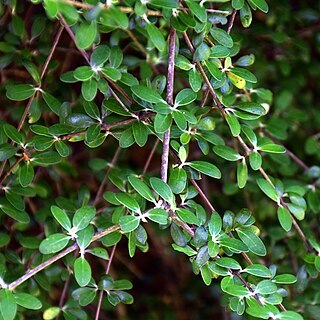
(100, 100)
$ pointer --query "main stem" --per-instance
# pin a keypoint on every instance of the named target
(166, 137)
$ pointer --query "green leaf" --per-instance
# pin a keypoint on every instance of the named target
(187, 216)
(63, 149)
(147, 94)
(85, 237)
(129, 223)
(19, 215)
(99, 252)
(169, 4)
(111, 73)
(119, 17)
(296, 210)
(236, 290)
(27, 301)
(184, 97)
(8, 305)
(54, 243)
(234, 124)
(221, 37)
(242, 174)
(256, 310)
(51, 313)
(198, 10)
(85, 34)
(290, 315)
(186, 250)
(45, 159)
(7, 151)
(180, 120)
(83, 217)
(91, 110)
(272, 148)
(253, 242)
(214, 70)
(251, 107)
(99, 55)
(83, 73)
(51, 102)
(202, 52)
(158, 215)
(266, 287)
(128, 201)
(260, 4)
(82, 271)
(12, 133)
(195, 80)
(89, 89)
(162, 122)
(255, 160)
(258, 270)
(127, 138)
(244, 74)
(227, 153)
(19, 92)
(285, 218)
(285, 279)
(162, 189)
(219, 52)
(237, 4)
(61, 217)
(215, 224)
(268, 189)
(156, 37)
(140, 133)
(206, 168)
(178, 179)
(228, 263)
(141, 188)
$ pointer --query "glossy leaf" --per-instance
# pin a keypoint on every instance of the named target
(54, 243)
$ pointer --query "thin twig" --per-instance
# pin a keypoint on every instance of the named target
(107, 272)
(30, 273)
(297, 160)
(231, 21)
(100, 190)
(151, 154)
(53, 48)
(7, 174)
(166, 137)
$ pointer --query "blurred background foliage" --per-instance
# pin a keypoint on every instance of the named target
(286, 46)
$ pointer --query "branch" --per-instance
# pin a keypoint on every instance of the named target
(166, 137)
(57, 257)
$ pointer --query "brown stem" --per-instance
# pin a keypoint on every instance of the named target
(53, 48)
(231, 21)
(107, 271)
(100, 190)
(30, 273)
(166, 137)
(7, 174)
(151, 154)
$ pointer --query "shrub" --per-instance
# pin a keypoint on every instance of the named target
(138, 124)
